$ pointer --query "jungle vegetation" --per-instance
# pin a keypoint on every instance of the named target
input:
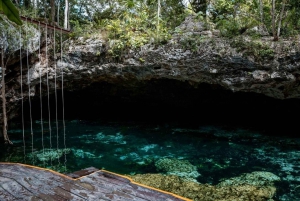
(129, 24)
(124, 19)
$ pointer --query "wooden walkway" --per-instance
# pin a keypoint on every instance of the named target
(23, 182)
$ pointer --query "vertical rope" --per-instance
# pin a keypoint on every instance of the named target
(55, 92)
(49, 123)
(63, 102)
(29, 93)
(22, 101)
(41, 101)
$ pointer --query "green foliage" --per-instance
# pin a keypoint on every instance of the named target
(228, 28)
(134, 28)
(83, 30)
(12, 13)
(192, 42)
(261, 51)
(131, 35)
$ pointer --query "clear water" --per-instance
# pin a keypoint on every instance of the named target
(131, 148)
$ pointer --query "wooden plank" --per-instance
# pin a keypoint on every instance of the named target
(83, 172)
(36, 186)
(78, 188)
(42, 184)
(109, 189)
(52, 181)
(43, 24)
(136, 190)
(152, 192)
(96, 179)
(60, 183)
(4, 195)
(16, 189)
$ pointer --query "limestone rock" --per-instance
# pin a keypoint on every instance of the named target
(196, 56)
(191, 24)
(206, 192)
(257, 178)
(49, 154)
(181, 168)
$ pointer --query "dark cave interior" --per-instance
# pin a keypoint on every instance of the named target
(170, 101)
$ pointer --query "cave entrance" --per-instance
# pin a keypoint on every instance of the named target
(170, 101)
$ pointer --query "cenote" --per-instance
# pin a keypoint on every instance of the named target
(128, 128)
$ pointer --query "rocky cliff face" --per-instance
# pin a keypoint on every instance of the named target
(191, 65)
(197, 56)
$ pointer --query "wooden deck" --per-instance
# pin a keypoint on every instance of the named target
(23, 182)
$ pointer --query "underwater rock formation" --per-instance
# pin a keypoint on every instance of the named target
(206, 192)
(257, 178)
(49, 154)
(181, 168)
(79, 153)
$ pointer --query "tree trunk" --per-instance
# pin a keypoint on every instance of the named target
(34, 3)
(58, 7)
(69, 27)
(235, 10)
(280, 18)
(52, 15)
(275, 38)
(158, 16)
(4, 127)
(261, 11)
(66, 19)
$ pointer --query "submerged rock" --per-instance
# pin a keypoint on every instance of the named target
(181, 168)
(79, 153)
(49, 154)
(257, 178)
(205, 192)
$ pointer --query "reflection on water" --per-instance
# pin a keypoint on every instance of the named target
(206, 154)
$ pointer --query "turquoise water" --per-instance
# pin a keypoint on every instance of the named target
(217, 152)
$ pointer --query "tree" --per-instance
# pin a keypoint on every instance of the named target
(199, 6)
(158, 18)
(277, 24)
(52, 14)
(66, 14)
(8, 9)
(273, 13)
(4, 126)
(261, 11)
(58, 8)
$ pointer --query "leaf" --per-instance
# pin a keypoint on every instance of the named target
(12, 13)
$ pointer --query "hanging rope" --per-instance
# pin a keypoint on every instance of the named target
(29, 93)
(41, 101)
(49, 123)
(22, 101)
(63, 103)
(55, 92)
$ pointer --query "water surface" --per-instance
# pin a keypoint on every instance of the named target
(218, 152)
